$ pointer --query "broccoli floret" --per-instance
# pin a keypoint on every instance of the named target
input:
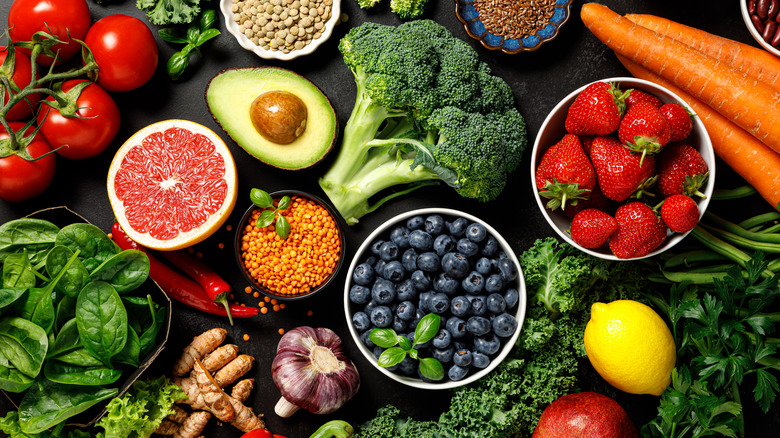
(365, 4)
(427, 111)
(407, 9)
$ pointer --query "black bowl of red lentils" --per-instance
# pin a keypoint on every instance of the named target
(303, 263)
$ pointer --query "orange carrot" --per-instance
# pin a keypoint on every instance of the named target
(750, 60)
(751, 159)
(750, 104)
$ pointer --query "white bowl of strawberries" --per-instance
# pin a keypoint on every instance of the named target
(623, 169)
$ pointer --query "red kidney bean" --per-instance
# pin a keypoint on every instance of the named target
(774, 8)
(762, 8)
(769, 31)
(776, 38)
(751, 7)
(758, 23)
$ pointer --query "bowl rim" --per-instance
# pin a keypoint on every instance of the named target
(706, 145)
(519, 315)
(340, 225)
(246, 43)
(754, 32)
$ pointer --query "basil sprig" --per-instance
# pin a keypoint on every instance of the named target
(398, 347)
(194, 37)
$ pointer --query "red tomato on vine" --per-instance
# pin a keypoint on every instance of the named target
(65, 19)
(22, 179)
(21, 77)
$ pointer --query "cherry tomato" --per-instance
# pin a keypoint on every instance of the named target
(86, 135)
(258, 433)
(21, 77)
(125, 50)
(21, 179)
(57, 17)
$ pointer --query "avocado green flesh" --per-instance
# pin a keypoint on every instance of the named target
(230, 95)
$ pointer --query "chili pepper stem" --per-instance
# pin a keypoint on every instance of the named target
(223, 299)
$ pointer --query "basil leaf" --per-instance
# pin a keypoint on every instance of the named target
(125, 271)
(383, 337)
(282, 227)
(404, 342)
(94, 246)
(427, 328)
(284, 203)
(102, 321)
(60, 372)
(206, 35)
(431, 368)
(261, 198)
(75, 275)
(173, 35)
(391, 356)
(36, 235)
(47, 404)
(17, 271)
(177, 63)
(208, 19)
(266, 218)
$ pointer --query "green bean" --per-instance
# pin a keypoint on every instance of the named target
(760, 219)
(751, 240)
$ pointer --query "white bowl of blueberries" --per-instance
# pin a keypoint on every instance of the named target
(439, 262)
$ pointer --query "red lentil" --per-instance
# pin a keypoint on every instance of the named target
(309, 313)
(281, 331)
(221, 245)
(264, 310)
(248, 289)
(246, 337)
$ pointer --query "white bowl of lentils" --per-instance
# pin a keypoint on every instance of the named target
(280, 29)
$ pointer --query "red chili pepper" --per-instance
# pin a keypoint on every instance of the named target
(216, 288)
(258, 433)
(176, 285)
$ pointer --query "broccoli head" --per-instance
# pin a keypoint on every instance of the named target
(406, 9)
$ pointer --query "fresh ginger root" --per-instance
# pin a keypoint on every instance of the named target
(202, 345)
(214, 397)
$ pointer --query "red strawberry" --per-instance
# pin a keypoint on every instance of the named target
(640, 96)
(681, 169)
(587, 141)
(679, 120)
(618, 170)
(680, 213)
(591, 228)
(644, 129)
(565, 175)
(597, 110)
(639, 231)
(596, 199)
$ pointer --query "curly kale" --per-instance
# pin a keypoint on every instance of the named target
(163, 12)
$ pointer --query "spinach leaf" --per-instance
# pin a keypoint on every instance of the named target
(38, 308)
(79, 357)
(36, 235)
(23, 347)
(75, 275)
(61, 372)
(17, 271)
(149, 337)
(12, 380)
(125, 271)
(94, 244)
(67, 340)
(9, 295)
(102, 320)
(130, 355)
(47, 404)
(66, 310)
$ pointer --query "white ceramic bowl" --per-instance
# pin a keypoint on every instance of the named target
(743, 4)
(246, 43)
(363, 252)
(553, 130)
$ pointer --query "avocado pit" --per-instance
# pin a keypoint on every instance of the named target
(279, 116)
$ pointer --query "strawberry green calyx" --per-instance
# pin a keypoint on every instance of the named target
(561, 194)
(619, 96)
(693, 183)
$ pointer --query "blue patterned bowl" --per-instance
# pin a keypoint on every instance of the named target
(477, 25)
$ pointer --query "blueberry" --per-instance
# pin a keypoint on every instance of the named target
(360, 321)
(479, 360)
(408, 366)
(467, 247)
(409, 260)
(381, 316)
(494, 284)
(460, 306)
(383, 291)
(508, 269)
(399, 325)
(487, 344)
(439, 303)
(455, 264)
(363, 274)
(462, 358)
(394, 271)
(456, 327)
(418, 315)
(410, 337)
(445, 284)
(377, 351)
(504, 325)
(478, 305)
(476, 232)
(420, 240)
(366, 340)
(388, 251)
(443, 355)
(478, 325)
(496, 303)
(459, 345)
(425, 300)
(490, 246)
(376, 246)
(421, 280)
(371, 260)
(369, 307)
(483, 266)
(405, 290)
(474, 283)
(458, 226)
(442, 339)
(379, 268)
(415, 223)
(429, 262)
(434, 224)
(511, 297)
(443, 244)
(400, 236)
(359, 294)
(405, 311)
(457, 372)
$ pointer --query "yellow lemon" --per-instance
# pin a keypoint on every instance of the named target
(630, 346)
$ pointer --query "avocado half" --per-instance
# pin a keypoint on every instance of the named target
(230, 94)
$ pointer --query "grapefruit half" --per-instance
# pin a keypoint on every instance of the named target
(172, 184)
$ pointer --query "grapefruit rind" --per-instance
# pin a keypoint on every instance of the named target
(197, 234)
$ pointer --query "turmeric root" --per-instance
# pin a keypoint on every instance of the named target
(214, 397)
(190, 388)
(167, 427)
(193, 425)
(179, 414)
(246, 419)
(233, 370)
(242, 389)
(203, 344)
(220, 357)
